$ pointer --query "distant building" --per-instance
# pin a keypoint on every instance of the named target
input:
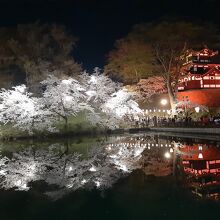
(200, 78)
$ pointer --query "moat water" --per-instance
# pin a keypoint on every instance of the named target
(132, 176)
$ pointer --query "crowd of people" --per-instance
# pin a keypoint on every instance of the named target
(146, 121)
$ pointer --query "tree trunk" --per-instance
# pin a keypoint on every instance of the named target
(171, 96)
(66, 125)
(136, 74)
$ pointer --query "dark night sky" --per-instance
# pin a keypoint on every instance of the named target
(98, 23)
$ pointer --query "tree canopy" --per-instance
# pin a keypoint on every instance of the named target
(38, 49)
(127, 62)
(155, 49)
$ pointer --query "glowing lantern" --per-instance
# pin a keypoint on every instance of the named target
(200, 156)
(167, 155)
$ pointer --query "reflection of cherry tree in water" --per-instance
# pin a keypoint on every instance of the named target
(68, 171)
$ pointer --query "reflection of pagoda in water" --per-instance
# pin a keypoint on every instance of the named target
(198, 159)
(200, 80)
(201, 163)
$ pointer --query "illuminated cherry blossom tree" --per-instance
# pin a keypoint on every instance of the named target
(64, 98)
(108, 97)
(148, 87)
(121, 106)
(99, 87)
(103, 101)
(19, 108)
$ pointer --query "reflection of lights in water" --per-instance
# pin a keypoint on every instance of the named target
(200, 156)
(92, 169)
(171, 150)
(167, 155)
(114, 164)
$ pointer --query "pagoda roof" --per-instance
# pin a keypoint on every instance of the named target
(212, 71)
(204, 52)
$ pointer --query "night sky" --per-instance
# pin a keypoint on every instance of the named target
(98, 23)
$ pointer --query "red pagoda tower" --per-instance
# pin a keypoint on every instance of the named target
(200, 78)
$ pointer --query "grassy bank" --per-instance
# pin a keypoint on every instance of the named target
(77, 126)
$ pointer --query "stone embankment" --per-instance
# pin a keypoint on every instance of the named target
(210, 131)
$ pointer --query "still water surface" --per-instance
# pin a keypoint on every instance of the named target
(138, 176)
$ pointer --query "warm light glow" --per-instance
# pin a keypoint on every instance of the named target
(167, 155)
(171, 150)
(197, 109)
(200, 156)
(163, 101)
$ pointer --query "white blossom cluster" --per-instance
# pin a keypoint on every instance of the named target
(105, 102)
